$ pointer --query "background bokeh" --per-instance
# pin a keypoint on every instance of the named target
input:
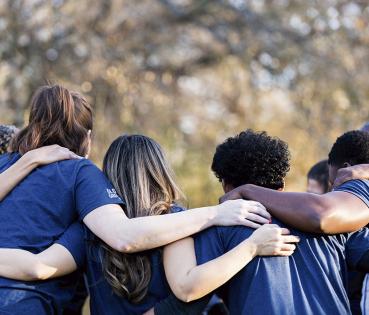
(190, 73)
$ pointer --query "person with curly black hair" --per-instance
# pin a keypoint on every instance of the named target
(268, 156)
(318, 178)
(311, 281)
(6, 135)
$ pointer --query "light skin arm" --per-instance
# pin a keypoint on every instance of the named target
(111, 224)
(191, 282)
(28, 162)
(56, 261)
(331, 213)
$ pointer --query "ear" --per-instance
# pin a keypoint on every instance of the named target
(284, 186)
(346, 164)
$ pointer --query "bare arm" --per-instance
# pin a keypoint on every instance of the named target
(28, 162)
(111, 225)
(19, 264)
(190, 282)
(331, 213)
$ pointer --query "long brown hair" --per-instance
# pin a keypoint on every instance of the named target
(57, 116)
(142, 177)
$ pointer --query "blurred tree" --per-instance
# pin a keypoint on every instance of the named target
(191, 72)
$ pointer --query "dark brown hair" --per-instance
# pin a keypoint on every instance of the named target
(142, 177)
(57, 116)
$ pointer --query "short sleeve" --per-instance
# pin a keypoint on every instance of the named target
(93, 190)
(359, 188)
(208, 245)
(357, 246)
(176, 208)
(73, 240)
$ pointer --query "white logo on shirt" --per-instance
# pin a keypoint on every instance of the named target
(112, 193)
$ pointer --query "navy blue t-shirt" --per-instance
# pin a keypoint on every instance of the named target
(36, 214)
(103, 301)
(311, 281)
(359, 188)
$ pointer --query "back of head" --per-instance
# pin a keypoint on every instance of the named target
(142, 177)
(320, 173)
(252, 158)
(57, 116)
(6, 135)
(351, 148)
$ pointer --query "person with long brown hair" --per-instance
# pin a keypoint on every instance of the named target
(126, 283)
(43, 208)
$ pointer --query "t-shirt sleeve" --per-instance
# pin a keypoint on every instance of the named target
(176, 208)
(359, 188)
(208, 245)
(357, 247)
(93, 190)
(73, 240)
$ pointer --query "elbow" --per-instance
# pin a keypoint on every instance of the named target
(321, 220)
(38, 272)
(125, 246)
(185, 294)
(185, 297)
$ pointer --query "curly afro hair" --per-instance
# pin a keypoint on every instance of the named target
(252, 158)
(352, 147)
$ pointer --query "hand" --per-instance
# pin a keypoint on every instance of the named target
(149, 312)
(242, 212)
(272, 240)
(360, 171)
(232, 195)
(50, 154)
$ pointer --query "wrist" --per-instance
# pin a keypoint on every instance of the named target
(29, 161)
(214, 215)
(245, 191)
(252, 246)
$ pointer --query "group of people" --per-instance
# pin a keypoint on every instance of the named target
(122, 236)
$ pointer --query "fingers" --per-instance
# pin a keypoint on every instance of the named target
(285, 253)
(287, 247)
(257, 218)
(285, 231)
(340, 180)
(261, 211)
(290, 239)
(74, 156)
(250, 224)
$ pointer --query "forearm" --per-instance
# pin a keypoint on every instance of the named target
(301, 210)
(15, 174)
(22, 265)
(139, 234)
(331, 213)
(204, 279)
(19, 264)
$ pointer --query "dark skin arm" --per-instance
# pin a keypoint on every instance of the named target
(331, 213)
